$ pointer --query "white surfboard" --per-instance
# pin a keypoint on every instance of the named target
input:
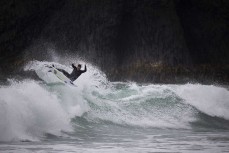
(61, 76)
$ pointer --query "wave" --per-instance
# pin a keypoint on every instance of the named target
(162, 106)
(30, 109)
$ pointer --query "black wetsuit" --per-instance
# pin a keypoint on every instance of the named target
(75, 73)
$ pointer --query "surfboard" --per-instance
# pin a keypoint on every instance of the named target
(61, 76)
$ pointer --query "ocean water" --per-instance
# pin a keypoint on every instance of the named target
(102, 116)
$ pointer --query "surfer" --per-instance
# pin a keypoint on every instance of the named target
(75, 73)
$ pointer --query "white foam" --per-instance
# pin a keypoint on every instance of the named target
(209, 99)
(28, 111)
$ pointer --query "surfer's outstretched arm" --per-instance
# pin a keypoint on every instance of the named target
(85, 69)
(74, 67)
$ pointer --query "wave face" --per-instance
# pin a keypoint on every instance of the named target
(30, 109)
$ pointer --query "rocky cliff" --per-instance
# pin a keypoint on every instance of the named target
(140, 40)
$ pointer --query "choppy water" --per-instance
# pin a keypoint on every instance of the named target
(103, 116)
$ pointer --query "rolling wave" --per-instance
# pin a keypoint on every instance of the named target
(29, 109)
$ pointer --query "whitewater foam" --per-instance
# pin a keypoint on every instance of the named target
(28, 111)
(209, 99)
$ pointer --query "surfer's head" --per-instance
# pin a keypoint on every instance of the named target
(79, 66)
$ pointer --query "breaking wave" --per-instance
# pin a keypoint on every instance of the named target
(30, 109)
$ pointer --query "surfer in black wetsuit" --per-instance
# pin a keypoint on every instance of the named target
(75, 73)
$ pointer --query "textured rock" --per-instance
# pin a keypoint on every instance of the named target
(140, 40)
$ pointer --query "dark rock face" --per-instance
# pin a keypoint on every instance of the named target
(141, 40)
(206, 29)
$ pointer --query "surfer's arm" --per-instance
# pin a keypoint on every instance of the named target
(74, 67)
(85, 69)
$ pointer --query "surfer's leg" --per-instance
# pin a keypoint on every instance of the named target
(64, 72)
